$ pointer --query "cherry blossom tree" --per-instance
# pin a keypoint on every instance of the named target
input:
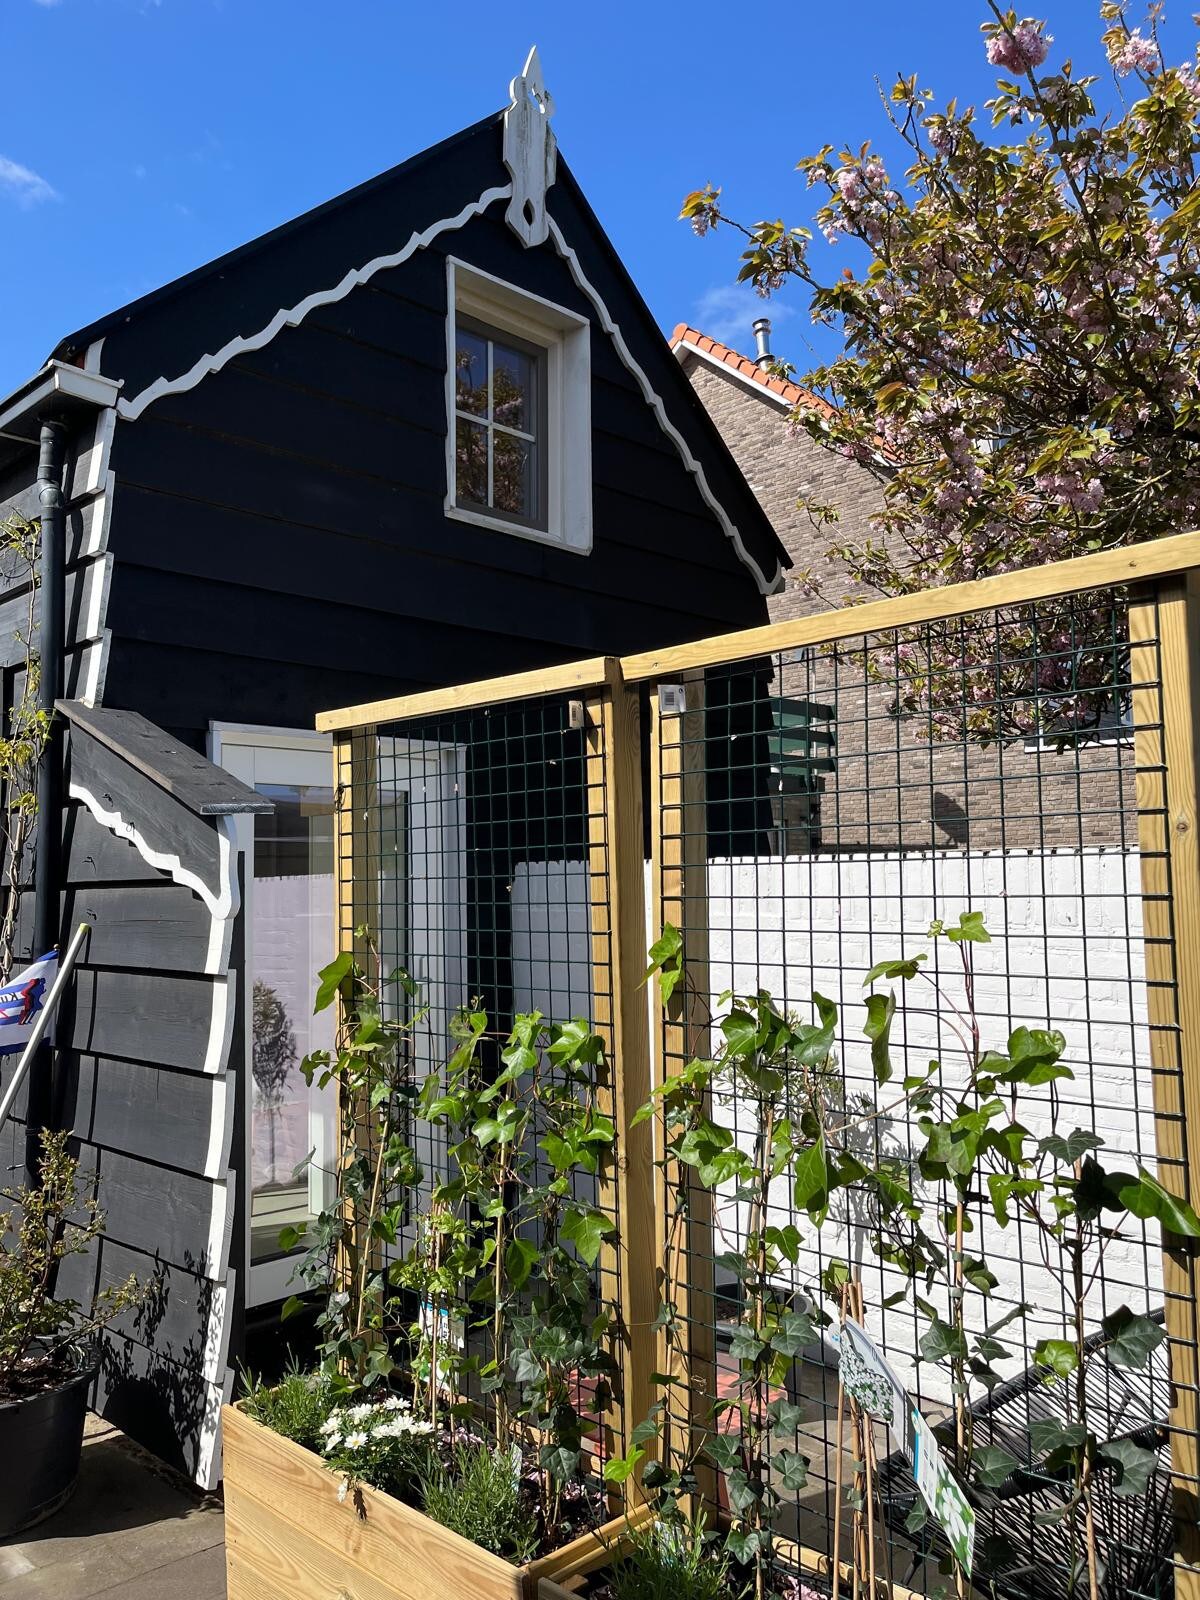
(1021, 354)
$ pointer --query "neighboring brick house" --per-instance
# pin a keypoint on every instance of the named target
(890, 788)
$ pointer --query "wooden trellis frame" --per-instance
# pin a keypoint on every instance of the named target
(1163, 578)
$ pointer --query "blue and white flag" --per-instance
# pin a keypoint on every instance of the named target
(21, 998)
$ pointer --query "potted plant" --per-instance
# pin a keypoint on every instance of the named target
(454, 1435)
(48, 1347)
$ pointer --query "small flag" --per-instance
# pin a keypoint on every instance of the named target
(21, 999)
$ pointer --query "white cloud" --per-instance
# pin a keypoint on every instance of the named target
(25, 187)
(727, 312)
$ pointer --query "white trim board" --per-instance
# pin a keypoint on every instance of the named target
(681, 349)
(293, 316)
(290, 317)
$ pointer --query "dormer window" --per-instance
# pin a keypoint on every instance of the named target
(518, 407)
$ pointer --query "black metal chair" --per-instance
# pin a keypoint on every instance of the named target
(1020, 1551)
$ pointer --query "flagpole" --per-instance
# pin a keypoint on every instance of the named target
(43, 1018)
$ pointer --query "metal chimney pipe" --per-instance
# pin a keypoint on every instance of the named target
(762, 341)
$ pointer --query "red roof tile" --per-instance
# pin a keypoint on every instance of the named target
(791, 392)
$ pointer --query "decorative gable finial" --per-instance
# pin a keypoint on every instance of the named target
(530, 151)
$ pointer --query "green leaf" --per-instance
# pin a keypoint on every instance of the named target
(943, 1340)
(1132, 1463)
(1131, 1338)
(1145, 1197)
(1071, 1149)
(881, 1008)
(332, 977)
(723, 1451)
(741, 1031)
(290, 1236)
(810, 1181)
(784, 1415)
(560, 1461)
(970, 929)
(622, 1467)
(743, 1494)
(586, 1229)
(1034, 1056)
(520, 1257)
(992, 1465)
(905, 967)
(1058, 1356)
(792, 1470)
(1048, 1435)
(291, 1305)
(794, 1333)
(745, 1345)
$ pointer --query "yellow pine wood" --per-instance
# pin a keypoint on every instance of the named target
(590, 1551)
(1131, 564)
(679, 895)
(617, 898)
(589, 673)
(388, 1552)
(1165, 655)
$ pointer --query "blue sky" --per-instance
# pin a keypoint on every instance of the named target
(143, 137)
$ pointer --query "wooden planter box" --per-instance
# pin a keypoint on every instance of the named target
(286, 1534)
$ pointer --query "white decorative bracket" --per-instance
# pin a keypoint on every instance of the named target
(530, 152)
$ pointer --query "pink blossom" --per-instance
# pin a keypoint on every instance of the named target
(1133, 54)
(1021, 50)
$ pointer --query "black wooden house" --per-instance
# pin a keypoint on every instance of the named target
(427, 432)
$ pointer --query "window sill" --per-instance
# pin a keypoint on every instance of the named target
(550, 536)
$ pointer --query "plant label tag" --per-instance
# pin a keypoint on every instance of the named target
(872, 1383)
(941, 1493)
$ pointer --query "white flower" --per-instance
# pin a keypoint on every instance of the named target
(331, 1424)
(359, 1413)
(395, 1403)
(343, 1489)
(356, 1440)
(332, 1442)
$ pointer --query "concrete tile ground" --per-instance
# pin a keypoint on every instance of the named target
(131, 1531)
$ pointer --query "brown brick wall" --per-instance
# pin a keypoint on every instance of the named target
(893, 789)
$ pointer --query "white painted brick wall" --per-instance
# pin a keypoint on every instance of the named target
(1066, 953)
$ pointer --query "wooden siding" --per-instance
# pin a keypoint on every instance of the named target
(279, 533)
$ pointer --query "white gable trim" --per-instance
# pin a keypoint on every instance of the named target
(291, 317)
(681, 349)
(767, 585)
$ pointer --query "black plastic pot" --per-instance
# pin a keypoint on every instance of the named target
(41, 1440)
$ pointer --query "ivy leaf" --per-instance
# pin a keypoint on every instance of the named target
(560, 1461)
(1071, 1149)
(741, 1031)
(904, 967)
(745, 1345)
(810, 1181)
(723, 1452)
(795, 1331)
(1132, 1463)
(743, 1495)
(1034, 1057)
(816, 1042)
(744, 1546)
(1048, 1434)
(970, 929)
(1058, 1356)
(785, 1415)
(332, 977)
(586, 1229)
(519, 1258)
(943, 1340)
(622, 1467)
(881, 1008)
(665, 949)
(992, 1466)
(792, 1469)
(1145, 1197)
(291, 1305)
(1131, 1339)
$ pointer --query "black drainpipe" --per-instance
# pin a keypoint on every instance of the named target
(43, 1107)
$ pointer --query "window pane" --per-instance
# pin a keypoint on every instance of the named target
(471, 476)
(513, 476)
(470, 372)
(512, 385)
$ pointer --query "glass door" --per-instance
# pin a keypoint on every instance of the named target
(289, 924)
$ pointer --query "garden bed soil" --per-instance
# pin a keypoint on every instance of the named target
(287, 1533)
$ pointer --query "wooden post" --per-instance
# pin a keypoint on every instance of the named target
(1164, 632)
(617, 896)
(679, 896)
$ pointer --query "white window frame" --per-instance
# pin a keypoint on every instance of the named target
(565, 336)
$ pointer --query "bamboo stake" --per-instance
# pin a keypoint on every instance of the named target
(837, 1467)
